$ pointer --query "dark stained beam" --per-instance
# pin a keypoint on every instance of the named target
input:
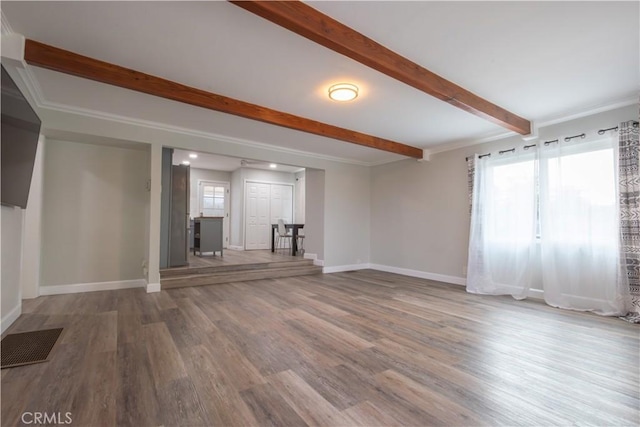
(322, 29)
(53, 58)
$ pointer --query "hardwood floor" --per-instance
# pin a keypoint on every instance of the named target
(236, 257)
(363, 348)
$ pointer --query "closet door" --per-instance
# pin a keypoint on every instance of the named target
(281, 203)
(257, 207)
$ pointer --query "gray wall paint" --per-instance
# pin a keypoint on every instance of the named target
(11, 256)
(335, 172)
(347, 216)
(203, 175)
(95, 213)
(314, 212)
(237, 205)
(32, 240)
(299, 198)
(420, 212)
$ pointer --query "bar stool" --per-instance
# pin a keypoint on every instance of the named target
(301, 242)
(283, 234)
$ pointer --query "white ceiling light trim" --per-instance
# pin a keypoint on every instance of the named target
(343, 92)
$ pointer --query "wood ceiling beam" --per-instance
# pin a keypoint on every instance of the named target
(326, 31)
(53, 58)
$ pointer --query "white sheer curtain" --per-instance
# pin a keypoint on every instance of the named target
(503, 225)
(579, 232)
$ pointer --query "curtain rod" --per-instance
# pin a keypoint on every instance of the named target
(566, 139)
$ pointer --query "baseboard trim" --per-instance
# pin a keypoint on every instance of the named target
(420, 274)
(10, 317)
(314, 257)
(235, 248)
(533, 293)
(153, 287)
(92, 287)
(454, 280)
(342, 268)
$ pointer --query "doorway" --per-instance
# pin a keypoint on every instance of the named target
(265, 203)
(213, 200)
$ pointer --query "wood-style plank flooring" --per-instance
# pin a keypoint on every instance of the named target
(350, 349)
(236, 258)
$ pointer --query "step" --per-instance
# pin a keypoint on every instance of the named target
(189, 271)
(238, 276)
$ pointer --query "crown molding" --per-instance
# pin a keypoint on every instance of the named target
(33, 87)
(566, 116)
(190, 132)
(6, 27)
(625, 101)
(37, 95)
(450, 146)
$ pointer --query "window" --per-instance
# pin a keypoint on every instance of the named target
(212, 198)
(551, 223)
(579, 197)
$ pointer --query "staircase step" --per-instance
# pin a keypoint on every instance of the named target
(237, 276)
(190, 271)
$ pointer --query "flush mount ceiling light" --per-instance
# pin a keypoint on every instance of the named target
(343, 92)
(273, 166)
(193, 155)
(186, 162)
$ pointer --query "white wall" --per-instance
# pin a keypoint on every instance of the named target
(347, 216)
(299, 197)
(203, 175)
(21, 238)
(420, 212)
(236, 239)
(11, 236)
(95, 213)
(314, 225)
(335, 173)
(32, 228)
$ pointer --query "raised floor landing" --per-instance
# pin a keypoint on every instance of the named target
(236, 266)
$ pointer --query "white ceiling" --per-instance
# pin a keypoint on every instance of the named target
(540, 60)
(225, 163)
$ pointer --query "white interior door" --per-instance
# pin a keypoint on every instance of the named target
(281, 203)
(264, 204)
(213, 200)
(257, 207)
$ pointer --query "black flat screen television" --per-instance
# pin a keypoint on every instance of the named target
(19, 134)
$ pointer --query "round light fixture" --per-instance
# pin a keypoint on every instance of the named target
(343, 92)
(273, 166)
(193, 155)
(186, 162)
